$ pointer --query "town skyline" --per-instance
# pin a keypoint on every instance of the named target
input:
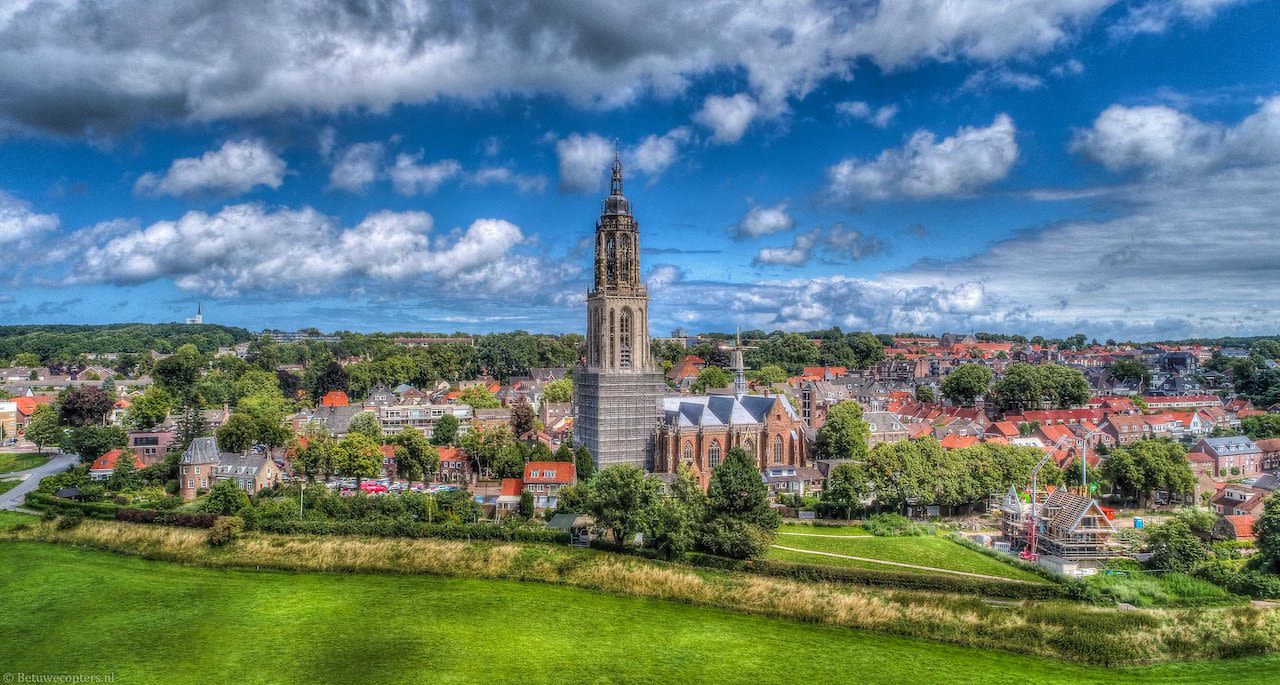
(1048, 171)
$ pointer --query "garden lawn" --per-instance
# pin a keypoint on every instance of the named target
(925, 550)
(66, 610)
(21, 461)
(7, 485)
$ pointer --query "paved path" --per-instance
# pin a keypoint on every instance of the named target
(905, 565)
(31, 478)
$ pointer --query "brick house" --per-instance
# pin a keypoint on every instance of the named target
(151, 446)
(1231, 453)
(202, 465)
(1126, 429)
(1270, 453)
(104, 465)
(545, 479)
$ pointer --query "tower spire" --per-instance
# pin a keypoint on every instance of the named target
(615, 182)
(740, 377)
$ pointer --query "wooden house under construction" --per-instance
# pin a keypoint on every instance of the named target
(1071, 530)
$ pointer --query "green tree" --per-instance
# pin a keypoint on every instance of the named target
(678, 519)
(43, 428)
(1027, 386)
(525, 508)
(191, 425)
(1131, 370)
(737, 491)
(226, 499)
(478, 397)
(558, 391)
(257, 382)
(238, 433)
(416, 458)
(563, 453)
(769, 374)
(149, 409)
(711, 377)
(91, 442)
(366, 423)
(179, 372)
(622, 501)
(358, 456)
(317, 454)
(1261, 427)
(125, 475)
(966, 383)
(1149, 466)
(445, 430)
(1267, 533)
(846, 488)
(84, 405)
(791, 351)
(1174, 547)
(844, 434)
(584, 465)
(924, 394)
(26, 359)
(868, 350)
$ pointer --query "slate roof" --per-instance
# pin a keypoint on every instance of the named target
(338, 419)
(201, 451)
(1236, 444)
(720, 410)
(241, 465)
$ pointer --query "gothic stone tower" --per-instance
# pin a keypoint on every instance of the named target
(617, 390)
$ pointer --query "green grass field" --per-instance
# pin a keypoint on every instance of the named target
(21, 461)
(80, 611)
(7, 485)
(925, 550)
(9, 519)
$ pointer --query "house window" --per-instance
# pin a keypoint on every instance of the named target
(184, 470)
(197, 470)
(539, 487)
(777, 449)
(535, 474)
(190, 483)
(548, 474)
(713, 454)
(204, 482)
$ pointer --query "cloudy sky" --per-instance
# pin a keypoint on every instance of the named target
(1034, 166)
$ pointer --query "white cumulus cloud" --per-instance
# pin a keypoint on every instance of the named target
(727, 117)
(411, 178)
(657, 152)
(926, 168)
(356, 167)
(583, 160)
(760, 221)
(857, 109)
(235, 168)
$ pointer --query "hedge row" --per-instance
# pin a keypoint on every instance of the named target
(167, 518)
(891, 579)
(407, 528)
(45, 502)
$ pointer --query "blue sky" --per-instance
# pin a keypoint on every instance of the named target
(1033, 166)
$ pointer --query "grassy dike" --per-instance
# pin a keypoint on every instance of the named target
(1059, 630)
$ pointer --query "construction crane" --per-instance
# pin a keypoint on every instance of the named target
(1029, 553)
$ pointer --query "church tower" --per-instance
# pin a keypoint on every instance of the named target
(618, 388)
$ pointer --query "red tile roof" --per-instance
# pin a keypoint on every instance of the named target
(1199, 458)
(549, 472)
(335, 398)
(108, 461)
(27, 405)
(1242, 525)
(956, 441)
(511, 487)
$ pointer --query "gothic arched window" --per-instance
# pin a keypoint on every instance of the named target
(687, 453)
(777, 449)
(713, 454)
(749, 446)
(624, 339)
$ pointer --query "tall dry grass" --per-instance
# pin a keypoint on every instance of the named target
(1056, 629)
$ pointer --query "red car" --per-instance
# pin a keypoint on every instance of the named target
(372, 487)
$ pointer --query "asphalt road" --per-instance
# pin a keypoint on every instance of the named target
(13, 498)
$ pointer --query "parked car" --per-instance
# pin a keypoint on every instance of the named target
(372, 487)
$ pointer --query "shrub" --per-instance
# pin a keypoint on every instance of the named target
(734, 538)
(405, 527)
(224, 530)
(896, 525)
(70, 520)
